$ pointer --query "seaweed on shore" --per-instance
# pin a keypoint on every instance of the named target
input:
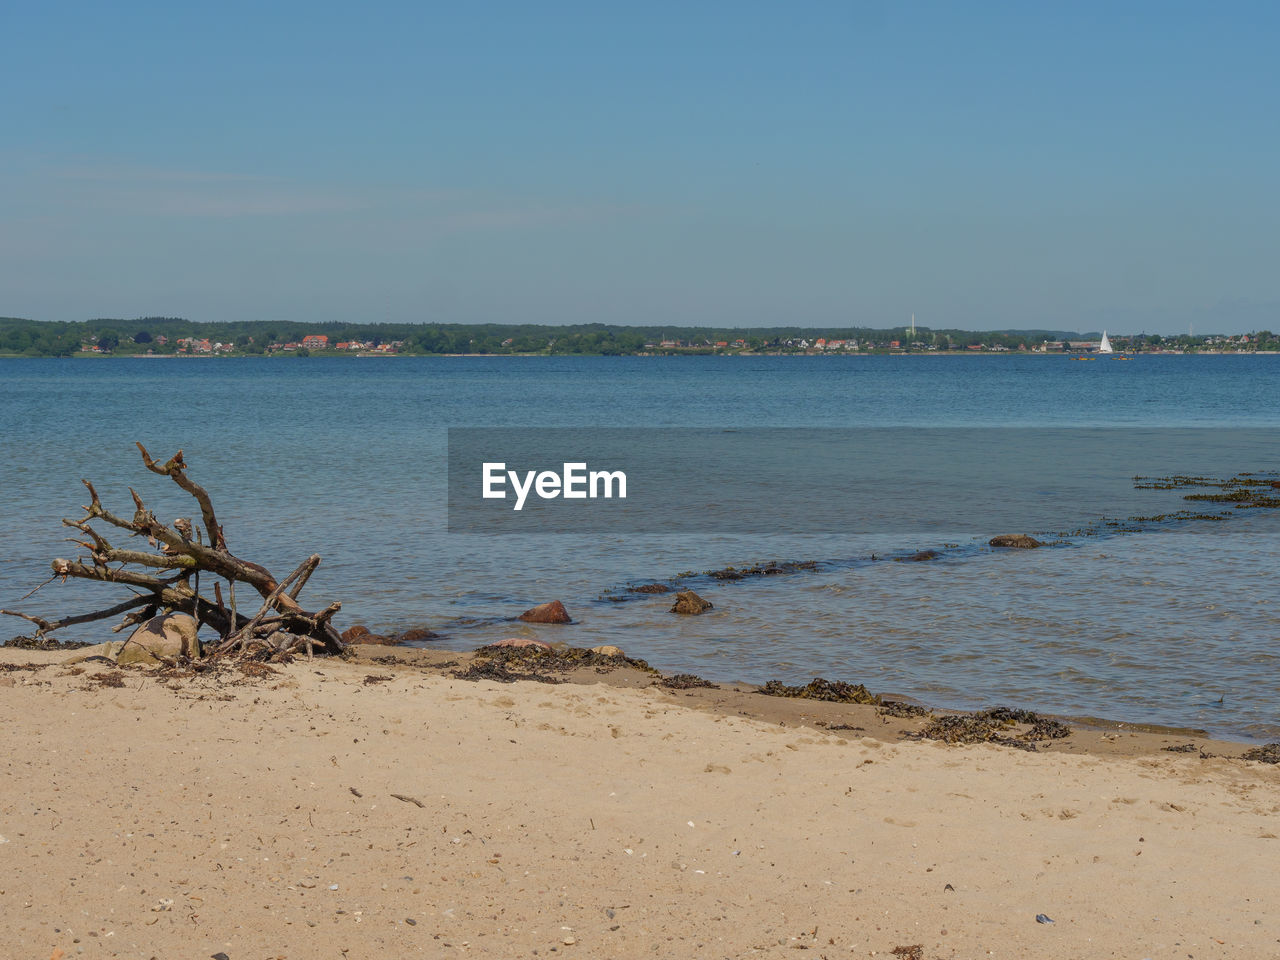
(834, 691)
(993, 726)
(685, 681)
(1268, 753)
(901, 709)
(561, 659)
(29, 667)
(498, 671)
(1180, 748)
(44, 643)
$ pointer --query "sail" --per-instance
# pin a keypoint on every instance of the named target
(1105, 345)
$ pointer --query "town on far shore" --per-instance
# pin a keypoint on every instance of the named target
(178, 337)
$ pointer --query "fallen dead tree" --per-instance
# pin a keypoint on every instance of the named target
(165, 577)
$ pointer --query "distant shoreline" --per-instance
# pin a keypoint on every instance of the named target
(824, 356)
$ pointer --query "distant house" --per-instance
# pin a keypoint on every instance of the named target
(895, 344)
(316, 341)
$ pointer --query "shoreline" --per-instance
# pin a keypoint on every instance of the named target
(691, 353)
(382, 807)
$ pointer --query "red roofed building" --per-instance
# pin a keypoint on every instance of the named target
(317, 341)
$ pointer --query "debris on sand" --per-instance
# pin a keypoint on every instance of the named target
(507, 664)
(685, 681)
(901, 709)
(994, 726)
(1268, 753)
(835, 691)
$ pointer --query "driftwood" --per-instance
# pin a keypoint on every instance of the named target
(166, 577)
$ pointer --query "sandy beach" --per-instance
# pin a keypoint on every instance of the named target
(387, 809)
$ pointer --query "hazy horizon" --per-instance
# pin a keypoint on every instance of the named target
(985, 167)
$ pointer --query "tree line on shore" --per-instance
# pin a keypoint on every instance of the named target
(173, 335)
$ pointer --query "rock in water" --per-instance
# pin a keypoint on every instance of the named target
(1017, 541)
(416, 635)
(170, 636)
(522, 642)
(553, 612)
(360, 634)
(690, 603)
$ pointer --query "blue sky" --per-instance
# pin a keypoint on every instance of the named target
(983, 165)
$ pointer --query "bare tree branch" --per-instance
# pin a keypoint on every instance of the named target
(183, 552)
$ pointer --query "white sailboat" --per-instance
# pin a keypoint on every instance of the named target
(1105, 345)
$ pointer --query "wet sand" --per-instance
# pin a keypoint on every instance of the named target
(386, 809)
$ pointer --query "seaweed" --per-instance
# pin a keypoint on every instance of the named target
(901, 709)
(1180, 748)
(991, 726)
(1268, 753)
(685, 681)
(256, 669)
(771, 569)
(45, 643)
(484, 669)
(835, 691)
(561, 659)
(650, 588)
(29, 667)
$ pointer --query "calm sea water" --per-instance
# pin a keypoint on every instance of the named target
(347, 458)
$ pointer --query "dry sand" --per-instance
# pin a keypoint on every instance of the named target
(258, 818)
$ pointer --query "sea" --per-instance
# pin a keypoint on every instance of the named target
(1175, 624)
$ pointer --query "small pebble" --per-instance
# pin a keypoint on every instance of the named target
(1041, 918)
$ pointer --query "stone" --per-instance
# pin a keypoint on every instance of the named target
(608, 651)
(922, 556)
(360, 634)
(1015, 541)
(110, 650)
(521, 642)
(688, 602)
(553, 612)
(170, 636)
(651, 588)
(416, 635)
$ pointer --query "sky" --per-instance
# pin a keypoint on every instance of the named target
(982, 165)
